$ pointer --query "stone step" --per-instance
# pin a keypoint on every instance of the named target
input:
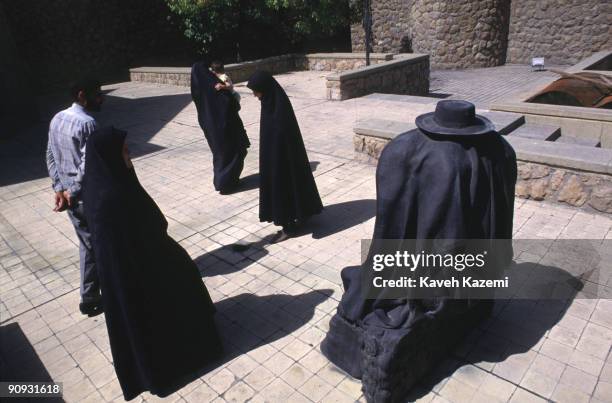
(537, 132)
(504, 122)
(579, 141)
(402, 98)
(386, 129)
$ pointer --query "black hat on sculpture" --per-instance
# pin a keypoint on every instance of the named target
(454, 118)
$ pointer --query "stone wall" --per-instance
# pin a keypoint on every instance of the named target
(340, 61)
(407, 74)
(390, 28)
(460, 33)
(576, 188)
(562, 31)
(62, 39)
(239, 72)
(482, 33)
(404, 74)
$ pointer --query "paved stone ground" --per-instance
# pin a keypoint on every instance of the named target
(274, 301)
(484, 86)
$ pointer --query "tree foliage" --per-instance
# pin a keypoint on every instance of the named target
(224, 26)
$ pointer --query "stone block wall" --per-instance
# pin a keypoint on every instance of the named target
(576, 188)
(460, 33)
(181, 76)
(484, 33)
(339, 61)
(390, 30)
(562, 31)
(406, 75)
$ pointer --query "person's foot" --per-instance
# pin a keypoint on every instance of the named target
(280, 236)
(292, 228)
(92, 308)
(230, 188)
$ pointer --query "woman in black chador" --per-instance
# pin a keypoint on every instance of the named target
(288, 193)
(159, 314)
(222, 126)
(451, 179)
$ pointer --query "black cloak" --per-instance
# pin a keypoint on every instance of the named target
(219, 119)
(159, 315)
(288, 191)
(428, 187)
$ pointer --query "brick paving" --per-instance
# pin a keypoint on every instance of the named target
(274, 301)
(485, 86)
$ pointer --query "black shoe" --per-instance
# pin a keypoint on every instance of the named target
(292, 228)
(280, 236)
(92, 308)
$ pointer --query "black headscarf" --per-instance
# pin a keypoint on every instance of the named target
(224, 131)
(287, 188)
(145, 275)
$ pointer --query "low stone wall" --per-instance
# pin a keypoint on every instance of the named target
(275, 65)
(393, 74)
(405, 74)
(340, 61)
(181, 76)
(578, 176)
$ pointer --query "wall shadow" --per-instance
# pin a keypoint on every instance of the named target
(22, 153)
(515, 327)
(19, 362)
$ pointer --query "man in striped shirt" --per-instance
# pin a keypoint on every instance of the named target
(68, 133)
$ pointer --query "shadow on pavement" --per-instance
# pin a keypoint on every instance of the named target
(22, 154)
(339, 217)
(515, 327)
(19, 362)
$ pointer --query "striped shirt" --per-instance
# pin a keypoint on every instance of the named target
(68, 134)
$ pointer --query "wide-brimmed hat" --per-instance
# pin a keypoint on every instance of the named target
(455, 118)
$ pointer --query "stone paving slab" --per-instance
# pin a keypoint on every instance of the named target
(537, 132)
(579, 141)
(484, 86)
(274, 301)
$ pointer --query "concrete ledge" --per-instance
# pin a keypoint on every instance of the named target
(384, 129)
(583, 123)
(589, 61)
(559, 154)
(578, 112)
(574, 156)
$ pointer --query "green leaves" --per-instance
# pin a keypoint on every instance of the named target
(219, 25)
